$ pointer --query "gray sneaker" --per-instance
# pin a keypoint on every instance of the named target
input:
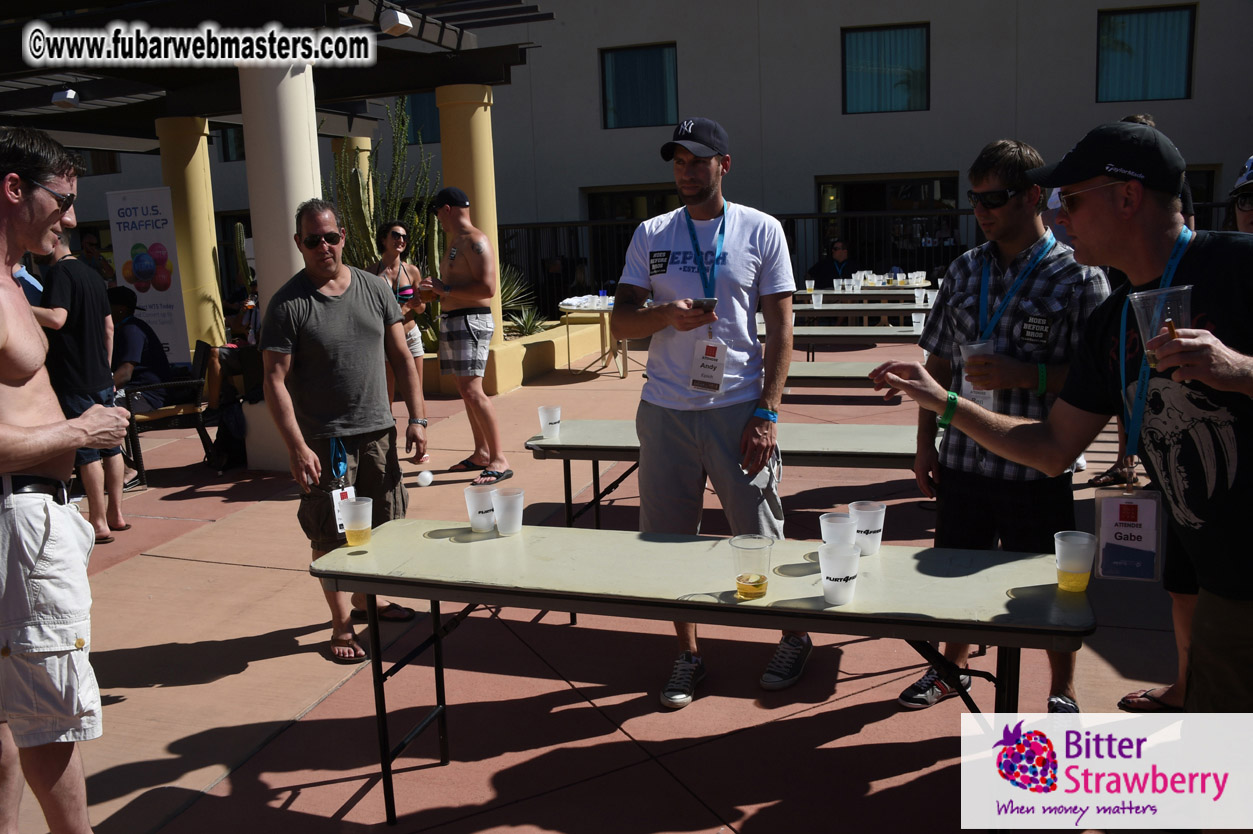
(788, 663)
(929, 690)
(688, 671)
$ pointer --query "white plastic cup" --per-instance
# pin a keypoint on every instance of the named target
(839, 564)
(987, 399)
(837, 528)
(1074, 550)
(920, 296)
(358, 519)
(550, 421)
(919, 320)
(817, 300)
(508, 505)
(868, 519)
(479, 507)
(809, 284)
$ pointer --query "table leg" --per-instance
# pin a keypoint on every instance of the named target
(606, 345)
(380, 707)
(1008, 667)
(596, 490)
(565, 469)
(565, 319)
(440, 700)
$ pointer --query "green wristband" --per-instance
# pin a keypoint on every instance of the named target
(949, 411)
(1043, 387)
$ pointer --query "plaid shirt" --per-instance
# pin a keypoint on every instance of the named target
(1043, 323)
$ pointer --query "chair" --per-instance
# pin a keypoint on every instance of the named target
(187, 414)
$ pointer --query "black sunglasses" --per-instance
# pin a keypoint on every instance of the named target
(991, 199)
(314, 241)
(1244, 201)
(64, 201)
(398, 235)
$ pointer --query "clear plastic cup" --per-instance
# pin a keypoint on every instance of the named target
(751, 554)
(1075, 551)
(479, 507)
(837, 528)
(1155, 307)
(508, 504)
(868, 518)
(839, 564)
(358, 519)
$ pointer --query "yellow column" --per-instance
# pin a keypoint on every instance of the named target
(185, 171)
(360, 197)
(465, 128)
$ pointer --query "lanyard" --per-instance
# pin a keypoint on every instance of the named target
(339, 459)
(839, 268)
(707, 279)
(1142, 384)
(988, 326)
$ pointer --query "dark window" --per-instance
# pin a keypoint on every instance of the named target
(232, 143)
(887, 69)
(423, 118)
(1145, 55)
(100, 162)
(639, 86)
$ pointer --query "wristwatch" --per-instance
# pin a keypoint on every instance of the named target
(417, 421)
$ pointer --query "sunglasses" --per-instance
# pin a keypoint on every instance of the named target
(991, 199)
(398, 235)
(64, 201)
(314, 241)
(1244, 201)
(1068, 201)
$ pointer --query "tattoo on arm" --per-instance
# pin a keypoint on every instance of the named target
(478, 248)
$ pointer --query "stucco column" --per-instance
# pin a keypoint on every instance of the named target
(281, 152)
(360, 198)
(185, 171)
(465, 127)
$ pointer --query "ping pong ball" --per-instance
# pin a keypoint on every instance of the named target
(425, 477)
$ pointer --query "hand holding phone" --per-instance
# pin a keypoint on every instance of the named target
(706, 304)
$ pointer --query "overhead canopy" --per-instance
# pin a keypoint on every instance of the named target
(123, 103)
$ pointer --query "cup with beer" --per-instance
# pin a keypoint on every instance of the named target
(1075, 551)
(358, 515)
(1158, 310)
(751, 553)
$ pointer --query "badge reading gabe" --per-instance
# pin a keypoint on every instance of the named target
(709, 365)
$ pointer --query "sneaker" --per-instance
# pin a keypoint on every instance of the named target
(788, 663)
(929, 690)
(1062, 704)
(688, 671)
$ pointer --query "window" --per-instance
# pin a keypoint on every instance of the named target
(232, 143)
(423, 118)
(639, 86)
(887, 69)
(1145, 54)
(100, 162)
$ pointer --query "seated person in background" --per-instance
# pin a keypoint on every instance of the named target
(835, 264)
(138, 355)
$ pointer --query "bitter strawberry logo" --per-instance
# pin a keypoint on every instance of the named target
(1128, 512)
(711, 350)
(1028, 760)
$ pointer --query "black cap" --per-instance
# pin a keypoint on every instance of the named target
(124, 297)
(1122, 150)
(450, 197)
(703, 137)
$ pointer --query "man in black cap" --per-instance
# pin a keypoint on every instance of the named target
(711, 402)
(465, 288)
(1190, 415)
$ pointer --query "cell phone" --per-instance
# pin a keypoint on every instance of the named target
(706, 304)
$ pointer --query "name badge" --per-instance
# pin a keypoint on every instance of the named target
(987, 399)
(338, 496)
(709, 366)
(1128, 523)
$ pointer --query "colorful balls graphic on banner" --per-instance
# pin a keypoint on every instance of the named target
(128, 272)
(142, 286)
(144, 267)
(159, 253)
(138, 249)
(161, 279)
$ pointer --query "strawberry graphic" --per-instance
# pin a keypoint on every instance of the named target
(1028, 760)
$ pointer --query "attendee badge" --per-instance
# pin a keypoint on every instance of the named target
(986, 399)
(1129, 524)
(339, 495)
(709, 365)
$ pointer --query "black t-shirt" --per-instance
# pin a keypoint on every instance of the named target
(135, 342)
(1196, 442)
(826, 271)
(77, 360)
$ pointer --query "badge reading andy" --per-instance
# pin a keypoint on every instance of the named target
(338, 496)
(709, 365)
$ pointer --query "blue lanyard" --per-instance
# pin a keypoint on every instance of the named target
(986, 325)
(707, 279)
(339, 458)
(839, 268)
(1142, 384)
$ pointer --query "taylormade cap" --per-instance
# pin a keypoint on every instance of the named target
(1122, 150)
(702, 137)
(450, 197)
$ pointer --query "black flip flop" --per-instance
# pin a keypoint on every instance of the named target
(496, 477)
(467, 465)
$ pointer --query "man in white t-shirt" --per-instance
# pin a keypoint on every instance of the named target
(711, 402)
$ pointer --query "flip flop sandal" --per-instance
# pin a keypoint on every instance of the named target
(467, 465)
(390, 613)
(496, 477)
(1110, 477)
(1155, 704)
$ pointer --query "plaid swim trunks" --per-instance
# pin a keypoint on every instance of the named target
(464, 336)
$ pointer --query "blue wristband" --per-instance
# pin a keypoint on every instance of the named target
(767, 414)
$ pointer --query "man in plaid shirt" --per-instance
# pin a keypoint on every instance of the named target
(1024, 292)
